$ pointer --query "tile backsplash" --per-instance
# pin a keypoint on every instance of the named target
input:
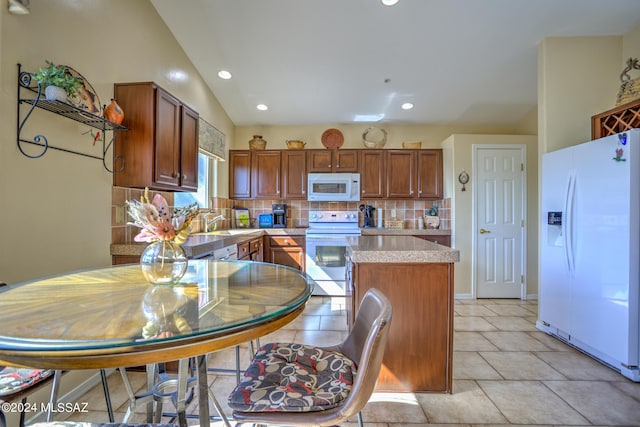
(408, 211)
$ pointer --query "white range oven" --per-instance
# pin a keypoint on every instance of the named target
(326, 247)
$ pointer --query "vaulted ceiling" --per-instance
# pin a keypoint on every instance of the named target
(341, 61)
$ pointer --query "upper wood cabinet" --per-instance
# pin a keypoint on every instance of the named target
(332, 160)
(254, 174)
(240, 174)
(384, 174)
(190, 131)
(430, 174)
(294, 174)
(372, 174)
(401, 174)
(160, 150)
(265, 174)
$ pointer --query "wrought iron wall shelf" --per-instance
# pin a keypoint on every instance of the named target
(27, 85)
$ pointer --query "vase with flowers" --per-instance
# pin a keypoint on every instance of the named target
(163, 262)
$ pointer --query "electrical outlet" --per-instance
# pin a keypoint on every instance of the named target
(393, 213)
(119, 214)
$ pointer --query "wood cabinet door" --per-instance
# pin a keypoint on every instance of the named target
(291, 256)
(401, 174)
(294, 174)
(257, 250)
(167, 149)
(189, 149)
(372, 174)
(346, 160)
(133, 151)
(265, 174)
(436, 238)
(240, 174)
(319, 160)
(430, 174)
(418, 355)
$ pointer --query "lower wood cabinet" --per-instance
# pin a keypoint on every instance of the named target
(443, 240)
(419, 352)
(286, 250)
(252, 250)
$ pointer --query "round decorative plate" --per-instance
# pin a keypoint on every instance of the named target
(86, 97)
(332, 138)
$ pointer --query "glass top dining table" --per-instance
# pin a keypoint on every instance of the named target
(112, 317)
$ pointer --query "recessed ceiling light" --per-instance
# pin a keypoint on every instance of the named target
(389, 2)
(224, 74)
(262, 107)
(407, 106)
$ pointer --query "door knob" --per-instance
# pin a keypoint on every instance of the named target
(483, 231)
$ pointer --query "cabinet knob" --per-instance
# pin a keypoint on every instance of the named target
(337, 166)
(328, 166)
(174, 175)
(184, 176)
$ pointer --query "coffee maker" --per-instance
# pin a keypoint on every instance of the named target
(368, 215)
(279, 211)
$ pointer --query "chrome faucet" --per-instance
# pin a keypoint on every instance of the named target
(211, 221)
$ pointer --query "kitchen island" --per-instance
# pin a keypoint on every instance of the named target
(417, 277)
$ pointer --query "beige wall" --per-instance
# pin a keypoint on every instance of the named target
(630, 48)
(56, 212)
(458, 155)
(577, 78)
(431, 136)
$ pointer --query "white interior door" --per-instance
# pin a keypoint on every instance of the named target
(499, 226)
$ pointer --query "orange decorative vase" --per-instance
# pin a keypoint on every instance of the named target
(114, 113)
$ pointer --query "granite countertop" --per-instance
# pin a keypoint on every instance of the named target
(203, 244)
(398, 249)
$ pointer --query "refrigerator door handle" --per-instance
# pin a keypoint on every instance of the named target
(568, 232)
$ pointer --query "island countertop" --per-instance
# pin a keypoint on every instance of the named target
(398, 249)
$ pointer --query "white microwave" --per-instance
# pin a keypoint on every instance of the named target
(333, 187)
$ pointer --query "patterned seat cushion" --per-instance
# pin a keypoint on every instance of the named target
(293, 378)
(13, 380)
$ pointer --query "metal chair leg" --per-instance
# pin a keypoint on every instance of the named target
(134, 400)
(107, 396)
(53, 399)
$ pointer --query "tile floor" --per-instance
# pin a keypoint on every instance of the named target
(506, 372)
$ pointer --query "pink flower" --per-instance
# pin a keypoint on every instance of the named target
(165, 231)
(146, 235)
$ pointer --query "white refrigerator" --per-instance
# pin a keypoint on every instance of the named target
(590, 249)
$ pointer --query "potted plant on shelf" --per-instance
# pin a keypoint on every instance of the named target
(58, 83)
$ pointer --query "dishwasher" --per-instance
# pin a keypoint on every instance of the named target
(225, 254)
